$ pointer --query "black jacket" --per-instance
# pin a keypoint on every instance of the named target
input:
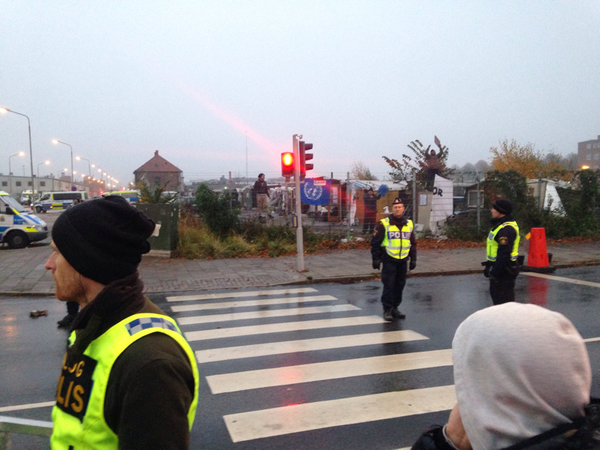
(580, 434)
(370, 200)
(504, 267)
(151, 384)
(377, 251)
(260, 187)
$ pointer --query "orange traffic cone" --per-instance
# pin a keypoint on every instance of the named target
(537, 259)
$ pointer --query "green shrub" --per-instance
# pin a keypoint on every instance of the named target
(216, 210)
(235, 247)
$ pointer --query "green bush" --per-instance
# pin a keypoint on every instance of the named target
(216, 210)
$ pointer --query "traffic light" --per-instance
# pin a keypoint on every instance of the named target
(303, 147)
(287, 164)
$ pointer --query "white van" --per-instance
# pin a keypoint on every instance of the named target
(59, 200)
(18, 228)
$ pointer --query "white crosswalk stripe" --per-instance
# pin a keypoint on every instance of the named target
(305, 345)
(306, 373)
(245, 294)
(282, 327)
(253, 303)
(266, 314)
(332, 413)
(214, 318)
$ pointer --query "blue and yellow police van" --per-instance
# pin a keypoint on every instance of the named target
(131, 195)
(58, 200)
(18, 227)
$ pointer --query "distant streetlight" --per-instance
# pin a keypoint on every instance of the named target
(79, 158)
(56, 141)
(38, 167)
(10, 170)
(5, 110)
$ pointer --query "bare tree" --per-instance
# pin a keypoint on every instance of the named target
(360, 171)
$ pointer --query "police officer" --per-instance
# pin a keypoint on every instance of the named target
(129, 378)
(502, 250)
(396, 235)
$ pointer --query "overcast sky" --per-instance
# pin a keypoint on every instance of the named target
(208, 82)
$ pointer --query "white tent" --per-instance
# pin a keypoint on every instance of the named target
(441, 203)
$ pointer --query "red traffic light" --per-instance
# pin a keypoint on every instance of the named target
(302, 148)
(287, 164)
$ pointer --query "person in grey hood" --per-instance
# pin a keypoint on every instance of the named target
(522, 377)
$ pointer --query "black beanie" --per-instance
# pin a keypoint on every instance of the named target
(503, 206)
(103, 239)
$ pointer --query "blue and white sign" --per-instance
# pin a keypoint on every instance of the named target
(315, 192)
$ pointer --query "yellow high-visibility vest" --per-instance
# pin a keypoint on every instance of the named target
(78, 415)
(396, 241)
(492, 245)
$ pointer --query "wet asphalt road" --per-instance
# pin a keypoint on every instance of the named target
(32, 350)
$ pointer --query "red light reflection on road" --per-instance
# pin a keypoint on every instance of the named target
(538, 290)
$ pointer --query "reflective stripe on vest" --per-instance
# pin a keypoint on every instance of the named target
(492, 245)
(78, 415)
(396, 241)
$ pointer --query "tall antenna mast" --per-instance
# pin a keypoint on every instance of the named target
(246, 156)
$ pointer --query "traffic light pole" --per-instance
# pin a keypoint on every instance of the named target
(299, 235)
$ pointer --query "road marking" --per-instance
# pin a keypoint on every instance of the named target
(332, 370)
(185, 298)
(27, 406)
(283, 327)
(266, 314)
(333, 413)
(566, 280)
(247, 303)
(306, 345)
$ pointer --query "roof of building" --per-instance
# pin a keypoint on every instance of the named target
(157, 164)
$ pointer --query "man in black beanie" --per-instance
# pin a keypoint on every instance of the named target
(129, 378)
(501, 266)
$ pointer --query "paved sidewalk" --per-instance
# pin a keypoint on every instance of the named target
(22, 271)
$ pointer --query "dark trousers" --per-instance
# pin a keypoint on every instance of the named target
(393, 277)
(502, 290)
(369, 224)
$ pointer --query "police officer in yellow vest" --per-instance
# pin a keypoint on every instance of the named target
(129, 378)
(501, 266)
(394, 243)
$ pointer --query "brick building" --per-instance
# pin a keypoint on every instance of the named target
(588, 153)
(159, 171)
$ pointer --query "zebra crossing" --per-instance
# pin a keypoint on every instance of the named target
(242, 328)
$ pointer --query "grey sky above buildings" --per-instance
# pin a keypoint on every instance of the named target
(202, 81)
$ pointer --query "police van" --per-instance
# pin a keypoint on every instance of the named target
(130, 195)
(59, 200)
(18, 228)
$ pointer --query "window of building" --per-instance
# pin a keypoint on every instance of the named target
(588, 157)
(596, 155)
(18, 183)
(5, 183)
(589, 146)
(42, 183)
(472, 199)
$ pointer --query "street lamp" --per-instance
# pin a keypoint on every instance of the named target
(10, 171)
(38, 167)
(56, 141)
(79, 158)
(5, 110)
